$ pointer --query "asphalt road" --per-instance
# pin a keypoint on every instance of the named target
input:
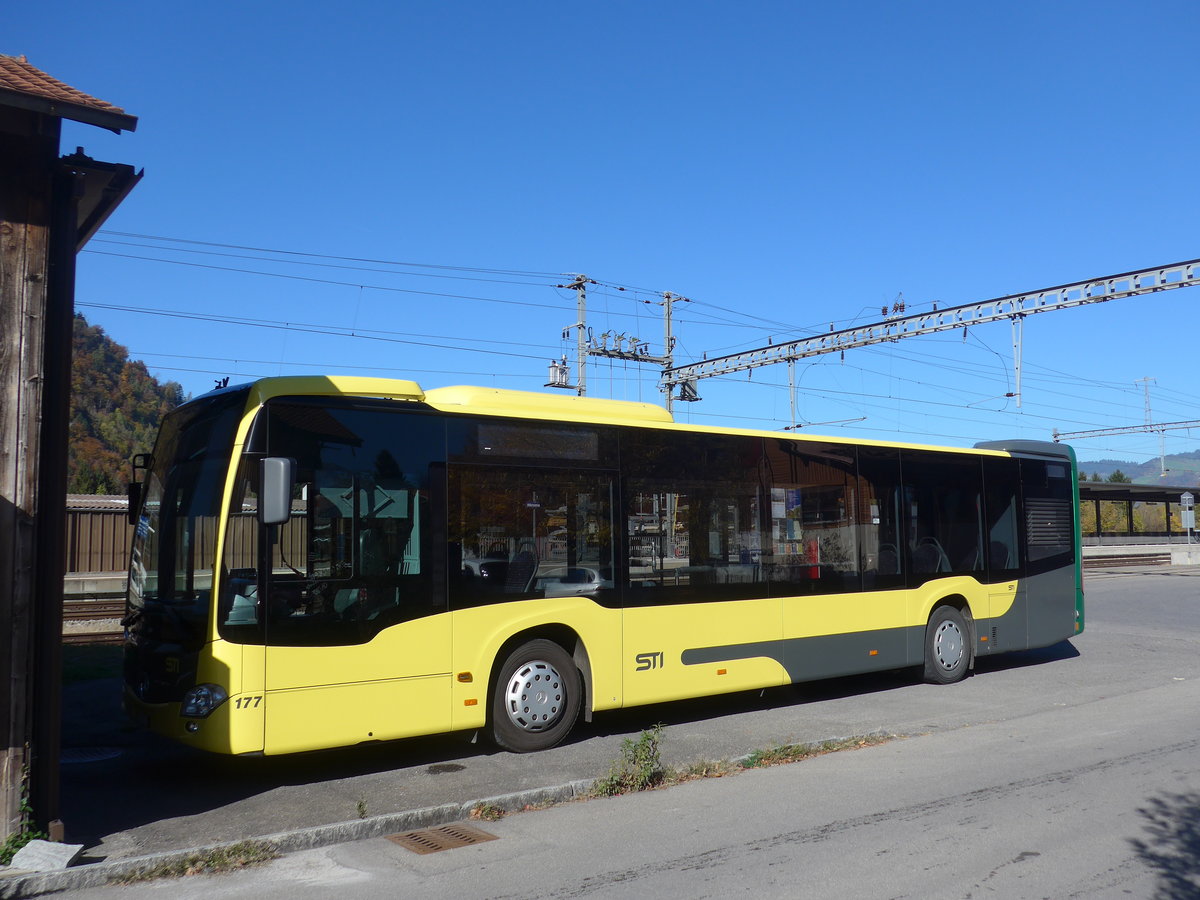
(152, 796)
(1068, 773)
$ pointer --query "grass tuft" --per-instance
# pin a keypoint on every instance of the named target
(237, 856)
(781, 754)
(638, 768)
(487, 812)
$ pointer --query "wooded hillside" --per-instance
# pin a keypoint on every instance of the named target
(116, 406)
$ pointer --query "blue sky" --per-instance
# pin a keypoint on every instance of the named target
(432, 171)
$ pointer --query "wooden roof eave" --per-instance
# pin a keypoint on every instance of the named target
(88, 115)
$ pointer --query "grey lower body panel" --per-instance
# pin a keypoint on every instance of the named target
(1042, 613)
(824, 656)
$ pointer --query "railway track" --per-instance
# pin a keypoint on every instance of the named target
(77, 613)
(92, 610)
(1127, 559)
(93, 638)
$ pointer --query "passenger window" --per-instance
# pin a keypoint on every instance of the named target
(694, 510)
(943, 505)
(814, 515)
(693, 542)
(881, 544)
(1001, 483)
(529, 533)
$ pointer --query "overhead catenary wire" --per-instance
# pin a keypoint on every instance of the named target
(297, 257)
(703, 314)
(332, 331)
(316, 264)
(282, 252)
(340, 367)
(398, 338)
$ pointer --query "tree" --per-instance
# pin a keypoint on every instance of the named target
(1119, 477)
(115, 409)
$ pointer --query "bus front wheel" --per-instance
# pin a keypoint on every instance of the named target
(947, 646)
(536, 698)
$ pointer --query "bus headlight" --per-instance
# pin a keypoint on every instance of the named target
(202, 700)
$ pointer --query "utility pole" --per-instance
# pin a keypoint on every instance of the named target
(579, 286)
(1162, 437)
(1146, 382)
(668, 339)
(627, 347)
(1018, 330)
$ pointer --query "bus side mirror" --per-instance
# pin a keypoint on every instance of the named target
(134, 492)
(140, 463)
(275, 497)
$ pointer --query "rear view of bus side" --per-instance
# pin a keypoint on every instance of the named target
(321, 562)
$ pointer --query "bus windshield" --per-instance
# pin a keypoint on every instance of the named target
(172, 557)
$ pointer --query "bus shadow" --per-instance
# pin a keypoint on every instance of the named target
(115, 778)
(629, 722)
(1022, 659)
(679, 712)
(148, 780)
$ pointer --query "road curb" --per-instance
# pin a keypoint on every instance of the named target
(15, 884)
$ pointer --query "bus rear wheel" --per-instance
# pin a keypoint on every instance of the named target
(947, 646)
(536, 698)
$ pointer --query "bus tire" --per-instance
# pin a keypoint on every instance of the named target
(536, 698)
(947, 646)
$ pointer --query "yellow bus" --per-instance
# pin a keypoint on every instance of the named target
(322, 562)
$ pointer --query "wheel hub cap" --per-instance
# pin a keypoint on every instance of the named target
(534, 696)
(948, 645)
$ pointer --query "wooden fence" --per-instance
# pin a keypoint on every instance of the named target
(99, 537)
(98, 534)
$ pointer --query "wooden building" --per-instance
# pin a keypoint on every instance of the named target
(50, 205)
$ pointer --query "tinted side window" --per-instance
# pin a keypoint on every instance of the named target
(1001, 479)
(943, 500)
(815, 514)
(527, 533)
(881, 522)
(693, 506)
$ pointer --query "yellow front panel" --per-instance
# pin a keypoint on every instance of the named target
(417, 648)
(396, 685)
(344, 714)
(656, 639)
(235, 667)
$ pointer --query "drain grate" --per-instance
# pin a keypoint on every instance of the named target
(443, 837)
